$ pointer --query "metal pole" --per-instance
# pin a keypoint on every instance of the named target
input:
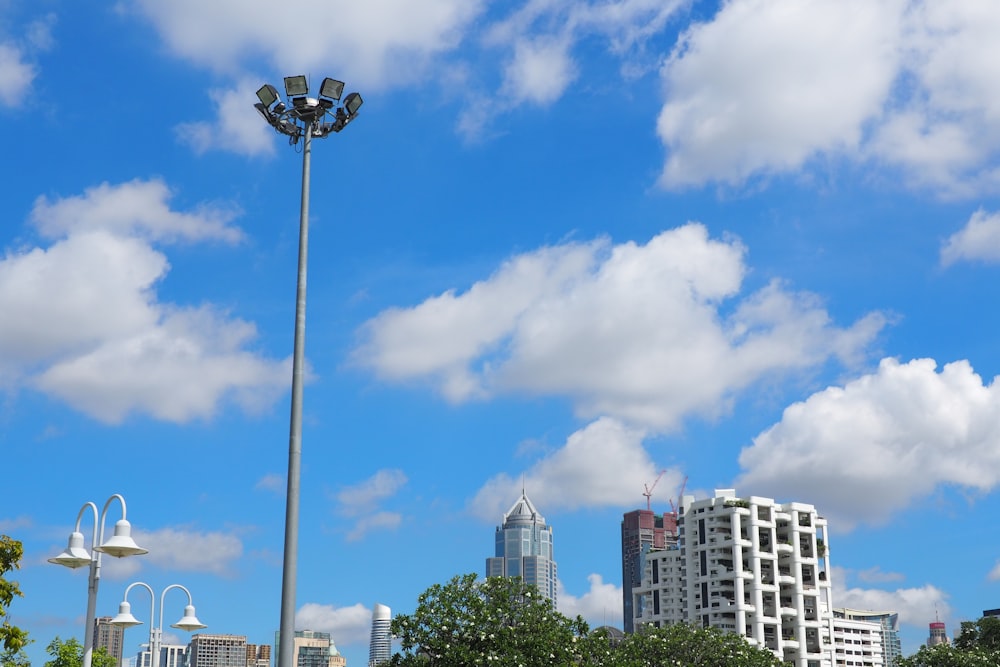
(286, 652)
(94, 580)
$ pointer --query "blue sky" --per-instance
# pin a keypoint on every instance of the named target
(751, 243)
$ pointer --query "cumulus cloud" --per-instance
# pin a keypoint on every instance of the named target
(346, 625)
(361, 502)
(237, 126)
(17, 68)
(764, 87)
(83, 323)
(875, 575)
(189, 550)
(272, 481)
(978, 240)
(16, 74)
(644, 333)
(380, 42)
(601, 605)
(600, 465)
(914, 605)
(870, 448)
(383, 484)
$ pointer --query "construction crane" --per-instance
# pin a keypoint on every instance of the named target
(649, 489)
(680, 496)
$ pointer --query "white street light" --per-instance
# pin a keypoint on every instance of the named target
(75, 555)
(305, 117)
(125, 619)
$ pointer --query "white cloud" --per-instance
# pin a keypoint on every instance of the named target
(766, 86)
(994, 574)
(346, 625)
(601, 605)
(914, 605)
(603, 464)
(875, 575)
(379, 42)
(237, 126)
(357, 499)
(377, 521)
(16, 75)
(272, 481)
(139, 208)
(189, 550)
(539, 72)
(17, 523)
(978, 240)
(82, 320)
(866, 450)
(645, 333)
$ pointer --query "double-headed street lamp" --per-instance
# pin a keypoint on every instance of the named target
(75, 555)
(125, 619)
(303, 118)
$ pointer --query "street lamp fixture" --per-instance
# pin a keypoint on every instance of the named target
(304, 118)
(189, 622)
(76, 555)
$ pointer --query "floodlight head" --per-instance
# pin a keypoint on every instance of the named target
(75, 555)
(262, 109)
(325, 103)
(125, 619)
(352, 103)
(300, 102)
(122, 544)
(189, 622)
(267, 94)
(296, 86)
(331, 88)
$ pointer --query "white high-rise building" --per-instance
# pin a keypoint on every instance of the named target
(745, 565)
(380, 648)
(888, 622)
(857, 643)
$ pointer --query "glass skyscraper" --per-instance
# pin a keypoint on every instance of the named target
(380, 647)
(524, 548)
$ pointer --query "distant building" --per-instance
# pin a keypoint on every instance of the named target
(171, 655)
(217, 651)
(888, 622)
(750, 566)
(109, 637)
(938, 634)
(642, 530)
(857, 643)
(258, 655)
(991, 612)
(313, 649)
(380, 646)
(523, 548)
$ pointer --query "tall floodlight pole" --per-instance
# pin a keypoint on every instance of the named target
(305, 118)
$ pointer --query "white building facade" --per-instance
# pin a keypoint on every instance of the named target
(749, 566)
(888, 622)
(857, 643)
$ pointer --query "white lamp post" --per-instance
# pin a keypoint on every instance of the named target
(306, 118)
(125, 619)
(75, 555)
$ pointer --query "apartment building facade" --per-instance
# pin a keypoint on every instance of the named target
(751, 566)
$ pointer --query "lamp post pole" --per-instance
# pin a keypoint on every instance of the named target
(305, 117)
(75, 555)
(125, 619)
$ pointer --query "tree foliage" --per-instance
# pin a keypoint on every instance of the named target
(502, 622)
(496, 621)
(691, 646)
(12, 638)
(983, 634)
(944, 655)
(69, 653)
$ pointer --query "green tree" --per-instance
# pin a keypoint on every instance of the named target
(944, 655)
(498, 621)
(69, 653)
(12, 638)
(984, 634)
(691, 646)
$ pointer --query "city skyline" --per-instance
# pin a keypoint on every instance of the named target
(567, 247)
